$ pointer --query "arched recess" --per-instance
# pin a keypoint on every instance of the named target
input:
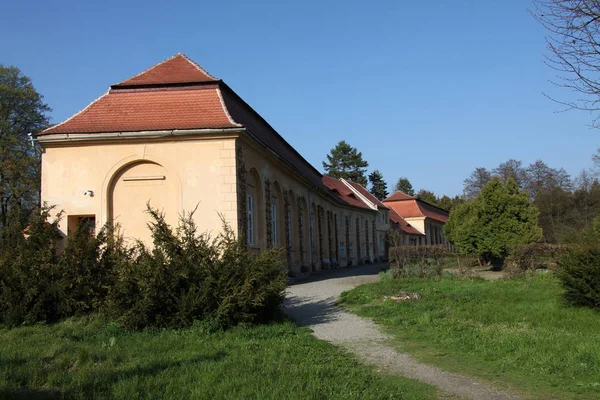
(255, 230)
(134, 186)
(277, 216)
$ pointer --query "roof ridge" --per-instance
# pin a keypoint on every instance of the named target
(76, 114)
(225, 110)
(198, 66)
(186, 58)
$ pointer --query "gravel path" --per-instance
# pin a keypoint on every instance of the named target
(312, 304)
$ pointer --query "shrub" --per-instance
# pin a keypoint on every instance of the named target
(579, 273)
(184, 277)
(500, 217)
(523, 258)
(419, 261)
(28, 290)
(188, 276)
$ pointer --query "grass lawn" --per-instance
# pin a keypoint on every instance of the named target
(514, 332)
(89, 358)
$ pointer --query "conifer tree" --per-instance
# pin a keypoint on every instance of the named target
(500, 217)
(345, 161)
(403, 185)
(378, 185)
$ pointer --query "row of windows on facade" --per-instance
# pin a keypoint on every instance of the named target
(274, 226)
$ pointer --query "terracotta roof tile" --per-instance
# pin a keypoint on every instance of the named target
(410, 207)
(403, 224)
(178, 69)
(362, 190)
(398, 196)
(131, 111)
(343, 192)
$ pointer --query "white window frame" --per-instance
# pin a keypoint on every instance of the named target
(250, 231)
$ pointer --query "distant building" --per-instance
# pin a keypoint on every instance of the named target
(424, 218)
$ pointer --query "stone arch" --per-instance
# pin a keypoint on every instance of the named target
(255, 215)
(135, 185)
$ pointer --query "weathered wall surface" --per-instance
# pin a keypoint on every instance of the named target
(174, 176)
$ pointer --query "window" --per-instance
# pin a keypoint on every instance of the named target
(350, 222)
(342, 249)
(289, 222)
(351, 249)
(301, 216)
(250, 232)
(363, 249)
(341, 221)
(87, 222)
(362, 223)
(274, 222)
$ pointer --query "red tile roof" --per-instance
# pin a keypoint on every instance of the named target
(399, 196)
(343, 192)
(403, 224)
(367, 194)
(410, 207)
(178, 69)
(131, 111)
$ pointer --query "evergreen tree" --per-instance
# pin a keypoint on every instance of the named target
(500, 217)
(345, 161)
(427, 196)
(378, 185)
(22, 111)
(403, 185)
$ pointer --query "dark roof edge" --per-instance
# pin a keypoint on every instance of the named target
(223, 85)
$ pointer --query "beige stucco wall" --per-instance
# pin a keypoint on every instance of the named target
(262, 166)
(197, 172)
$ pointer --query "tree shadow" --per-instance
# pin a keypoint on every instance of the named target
(307, 311)
(102, 380)
(362, 270)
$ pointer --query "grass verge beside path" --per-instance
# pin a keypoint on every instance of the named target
(85, 358)
(514, 332)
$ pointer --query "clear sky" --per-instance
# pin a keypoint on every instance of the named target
(425, 89)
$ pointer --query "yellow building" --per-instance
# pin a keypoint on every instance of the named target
(180, 139)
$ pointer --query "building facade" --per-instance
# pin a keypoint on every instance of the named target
(178, 139)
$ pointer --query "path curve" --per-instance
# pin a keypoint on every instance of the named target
(312, 304)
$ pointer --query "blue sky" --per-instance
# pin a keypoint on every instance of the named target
(428, 90)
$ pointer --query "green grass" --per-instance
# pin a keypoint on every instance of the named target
(89, 358)
(514, 332)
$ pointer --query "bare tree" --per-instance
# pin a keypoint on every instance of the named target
(574, 44)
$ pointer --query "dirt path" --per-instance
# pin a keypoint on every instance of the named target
(312, 304)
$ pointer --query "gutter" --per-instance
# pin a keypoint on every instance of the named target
(84, 137)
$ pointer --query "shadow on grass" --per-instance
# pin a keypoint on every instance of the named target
(306, 311)
(35, 394)
(102, 381)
